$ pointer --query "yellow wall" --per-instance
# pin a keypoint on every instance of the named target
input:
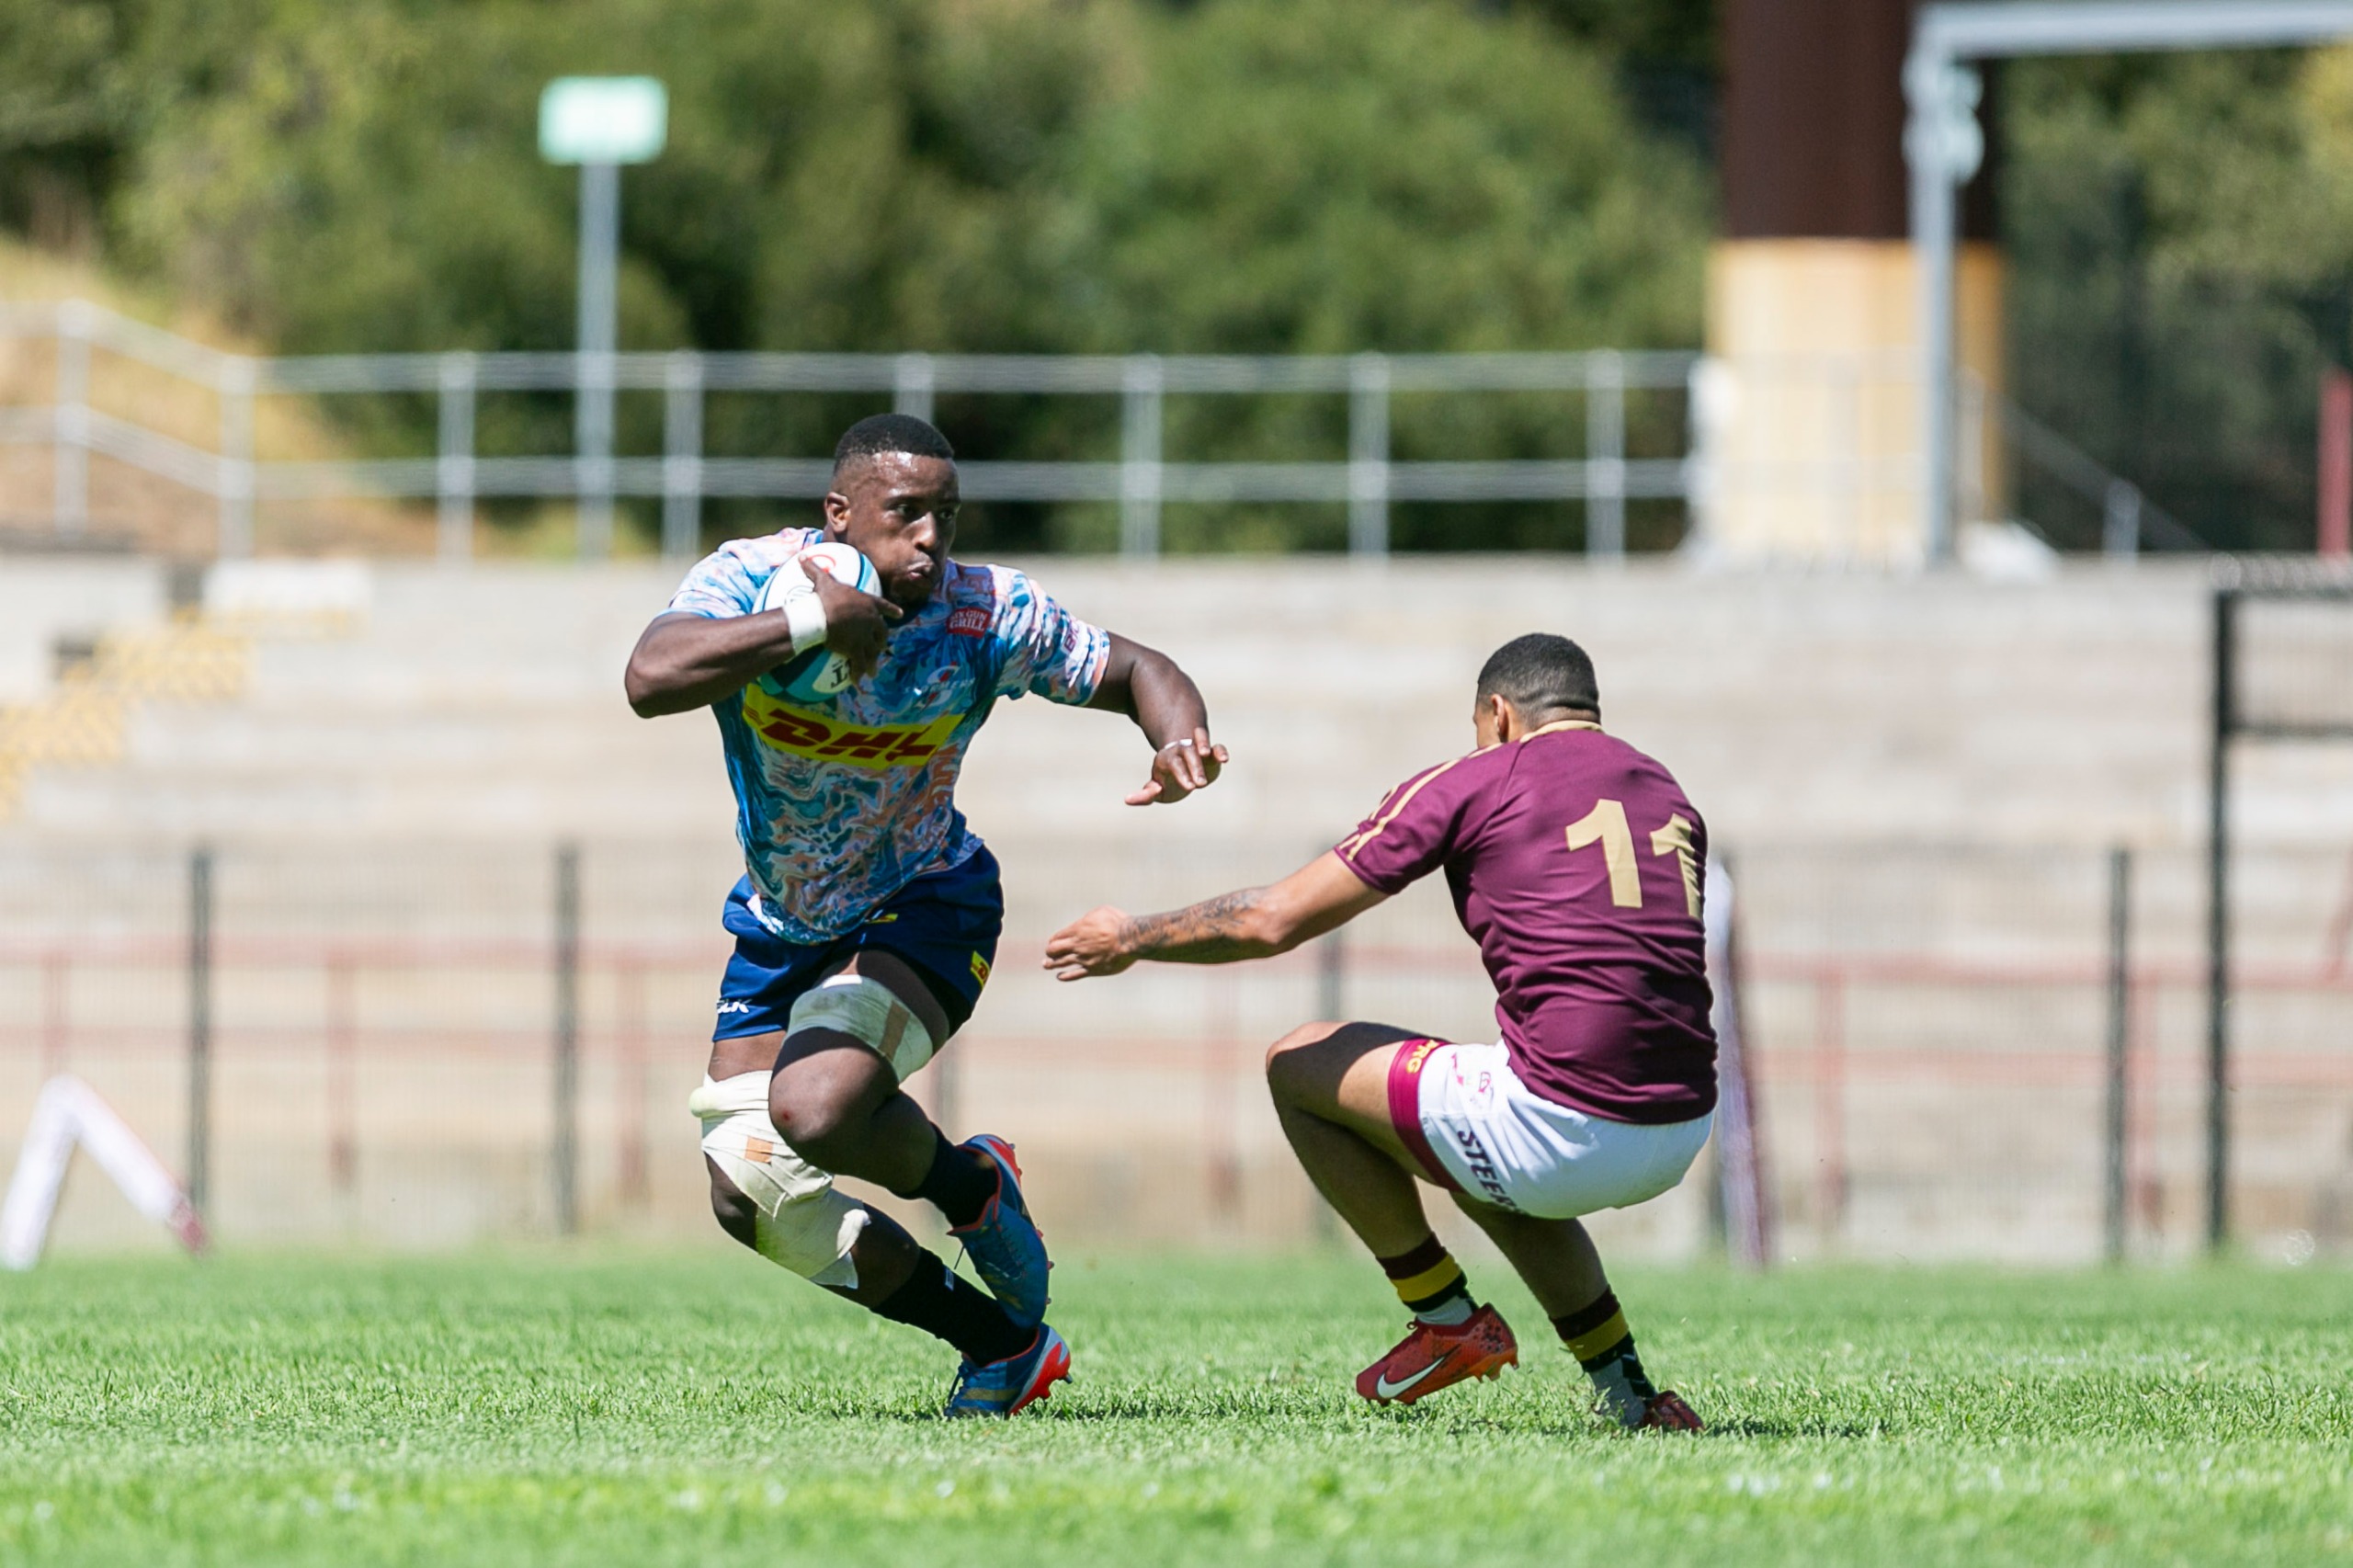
(1812, 411)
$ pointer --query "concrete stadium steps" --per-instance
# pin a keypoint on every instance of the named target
(1821, 709)
(423, 737)
(261, 803)
(465, 704)
(45, 598)
(1795, 709)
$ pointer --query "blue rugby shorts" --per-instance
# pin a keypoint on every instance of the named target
(944, 923)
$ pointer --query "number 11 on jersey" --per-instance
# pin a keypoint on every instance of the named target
(1606, 825)
(1674, 839)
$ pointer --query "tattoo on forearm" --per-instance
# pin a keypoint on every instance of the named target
(1209, 932)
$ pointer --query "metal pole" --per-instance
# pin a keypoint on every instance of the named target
(199, 1027)
(1140, 433)
(1703, 400)
(1938, 146)
(682, 457)
(1740, 1203)
(2117, 27)
(1369, 455)
(1605, 455)
(2119, 1038)
(2120, 531)
(567, 1038)
(912, 381)
(237, 459)
(600, 228)
(71, 477)
(2218, 923)
(454, 472)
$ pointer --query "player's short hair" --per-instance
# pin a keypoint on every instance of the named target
(880, 433)
(1538, 673)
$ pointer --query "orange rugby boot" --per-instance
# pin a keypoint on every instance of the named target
(1432, 1356)
(1668, 1413)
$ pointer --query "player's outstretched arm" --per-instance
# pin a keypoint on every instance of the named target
(684, 662)
(1254, 923)
(1146, 685)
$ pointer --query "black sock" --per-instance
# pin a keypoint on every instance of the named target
(959, 1183)
(968, 1317)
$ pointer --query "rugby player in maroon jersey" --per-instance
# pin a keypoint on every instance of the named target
(1577, 864)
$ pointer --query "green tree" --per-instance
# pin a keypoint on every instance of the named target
(1664, 51)
(1041, 176)
(2181, 237)
(1333, 175)
(81, 83)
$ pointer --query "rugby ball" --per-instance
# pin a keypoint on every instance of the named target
(819, 672)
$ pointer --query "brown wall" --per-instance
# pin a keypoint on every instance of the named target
(1813, 122)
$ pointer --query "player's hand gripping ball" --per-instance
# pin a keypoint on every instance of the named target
(818, 671)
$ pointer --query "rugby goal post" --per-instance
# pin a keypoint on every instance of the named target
(70, 1115)
(2283, 674)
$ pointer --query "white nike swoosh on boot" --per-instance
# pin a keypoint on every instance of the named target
(1387, 1389)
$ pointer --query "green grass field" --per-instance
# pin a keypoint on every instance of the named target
(624, 1409)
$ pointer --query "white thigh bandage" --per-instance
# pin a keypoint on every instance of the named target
(804, 1223)
(868, 1011)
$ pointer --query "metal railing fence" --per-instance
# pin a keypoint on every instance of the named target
(1956, 1050)
(1833, 456)
(1140, 481)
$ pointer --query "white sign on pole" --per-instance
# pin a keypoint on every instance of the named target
(599, 123)
(603, 119)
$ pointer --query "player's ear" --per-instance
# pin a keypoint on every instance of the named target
(1487, 719)
(837, 514)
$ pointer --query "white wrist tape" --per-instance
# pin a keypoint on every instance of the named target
(806, 618)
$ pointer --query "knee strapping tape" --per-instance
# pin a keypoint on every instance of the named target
(868, 1011)
(803, 1222)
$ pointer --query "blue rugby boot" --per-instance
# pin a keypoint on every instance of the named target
(1004, 1243)
(1002, 1388)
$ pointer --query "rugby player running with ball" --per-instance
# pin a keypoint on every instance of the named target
(1577, 864)
(868, 912)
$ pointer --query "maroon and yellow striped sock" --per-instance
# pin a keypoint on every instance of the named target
(1430, 1283)
(1597, 1336)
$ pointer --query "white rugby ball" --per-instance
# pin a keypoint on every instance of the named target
(819, 672)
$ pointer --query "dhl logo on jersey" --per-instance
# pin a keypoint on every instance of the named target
(804, 733)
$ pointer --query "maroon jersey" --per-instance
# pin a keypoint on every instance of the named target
(1577, 864)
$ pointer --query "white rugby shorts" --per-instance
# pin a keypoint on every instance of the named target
(1474, 1127)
